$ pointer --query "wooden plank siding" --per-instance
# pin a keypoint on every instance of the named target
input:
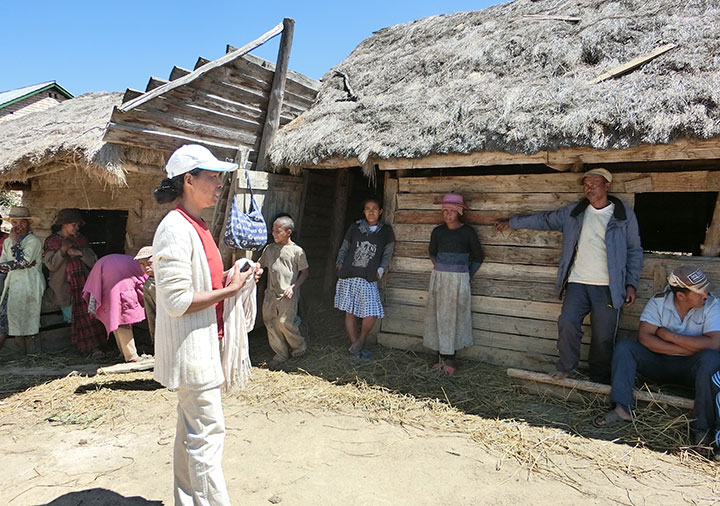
(514, 304)
(314, 235)
(224, 108)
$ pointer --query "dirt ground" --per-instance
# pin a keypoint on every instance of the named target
(332, 431)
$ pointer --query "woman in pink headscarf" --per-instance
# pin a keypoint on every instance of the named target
(456, 254)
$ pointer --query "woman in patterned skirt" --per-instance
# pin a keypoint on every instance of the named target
(363, 258)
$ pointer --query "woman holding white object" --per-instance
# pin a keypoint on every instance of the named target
(190, 291)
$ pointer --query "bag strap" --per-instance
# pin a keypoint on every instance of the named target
(253, 204)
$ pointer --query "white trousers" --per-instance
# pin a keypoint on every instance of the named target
(199, 440)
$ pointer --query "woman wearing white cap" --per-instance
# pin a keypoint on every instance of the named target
(189, 290)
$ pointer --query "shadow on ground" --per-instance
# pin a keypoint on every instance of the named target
(134, 385)
(100, 497)
(20, 372)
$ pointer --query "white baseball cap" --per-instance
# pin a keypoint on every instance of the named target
(195, 156)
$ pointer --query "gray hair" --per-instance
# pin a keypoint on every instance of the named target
(286, 222)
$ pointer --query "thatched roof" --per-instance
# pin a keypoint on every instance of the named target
(68, 134)
(505, 79)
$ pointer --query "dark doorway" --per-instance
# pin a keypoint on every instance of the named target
(674, 222)
(362, 188)
(319, 208)
(105, 230)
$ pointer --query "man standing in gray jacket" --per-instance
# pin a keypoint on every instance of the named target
(598, 272)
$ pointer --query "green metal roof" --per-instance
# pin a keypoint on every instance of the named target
(8, 98)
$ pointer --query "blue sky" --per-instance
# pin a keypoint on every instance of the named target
(109, 46)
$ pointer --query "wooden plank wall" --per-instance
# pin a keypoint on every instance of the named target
(73, 188)
(314, 234)
(514, 304)
(223, 109)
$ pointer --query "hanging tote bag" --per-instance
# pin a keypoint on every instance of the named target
(246, 229)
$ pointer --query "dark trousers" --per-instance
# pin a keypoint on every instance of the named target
(695, 370)
(581, 300)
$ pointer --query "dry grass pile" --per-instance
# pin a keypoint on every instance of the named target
(481, 402)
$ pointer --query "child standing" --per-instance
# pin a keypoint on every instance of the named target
(144, 258)
(363, 258)
(287, 269)
(456, 254)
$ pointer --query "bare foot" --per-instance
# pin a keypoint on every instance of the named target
(356, 346)
(558, 375)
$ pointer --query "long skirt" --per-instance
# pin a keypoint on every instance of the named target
(448, 317)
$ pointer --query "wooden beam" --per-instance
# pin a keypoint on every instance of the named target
(128, 367)
(161, 141)
(155, 82)
(599, 388)
(177, 72)
(131, 94)
(711, 246)
(200, 62)
(683, 149)
(567, 19)
(24, 187)
(272, 118)
(202, 70)
(687, 181)
(337, 226)
(292, 76)
(632, 64)
(390, 190)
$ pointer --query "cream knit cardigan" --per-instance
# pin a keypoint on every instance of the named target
(187, 349)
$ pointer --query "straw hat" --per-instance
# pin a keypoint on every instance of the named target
(145, 252)
(20, 213)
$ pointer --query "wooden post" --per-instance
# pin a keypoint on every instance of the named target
(390, 190)
(599, 388)
(659, 278)
(222, 207)
(337, 230)
(711, 247)
(272, 118)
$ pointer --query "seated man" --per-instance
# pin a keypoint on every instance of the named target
(678, 342)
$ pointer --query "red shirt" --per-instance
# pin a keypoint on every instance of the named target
(212, 253)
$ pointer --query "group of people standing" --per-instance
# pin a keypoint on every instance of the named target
(194, 298)
(96, 297)
(598, 273)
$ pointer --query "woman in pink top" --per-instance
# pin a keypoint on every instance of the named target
(189, 288)
(114, 294)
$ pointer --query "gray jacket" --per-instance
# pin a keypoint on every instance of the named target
(622, 240)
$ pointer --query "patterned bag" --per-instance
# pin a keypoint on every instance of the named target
(246, 230)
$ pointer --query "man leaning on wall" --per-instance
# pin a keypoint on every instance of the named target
(598, 271)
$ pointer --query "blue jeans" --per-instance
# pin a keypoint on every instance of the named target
(695, 370)
(581, 300)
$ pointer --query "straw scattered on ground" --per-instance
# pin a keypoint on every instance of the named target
(398, 387)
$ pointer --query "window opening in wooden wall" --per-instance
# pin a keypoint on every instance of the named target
(674, 222)
(105, 230)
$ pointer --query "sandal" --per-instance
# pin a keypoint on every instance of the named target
(609, 419)
(436, 366)
(449, 370)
